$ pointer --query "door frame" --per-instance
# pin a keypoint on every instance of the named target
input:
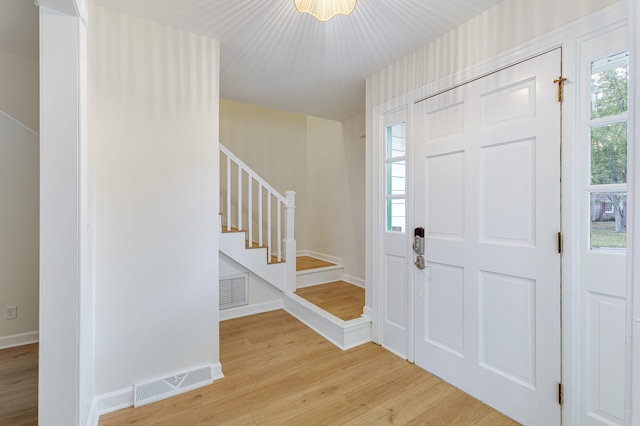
(633, 191)
(565, 38)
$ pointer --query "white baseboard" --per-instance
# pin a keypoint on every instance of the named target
(216, 371)
(93, 417)
(367, 312)
(124, 398)
(353, 280)
(256, 308)
(114, 401)
(19, 339)
(321, 256)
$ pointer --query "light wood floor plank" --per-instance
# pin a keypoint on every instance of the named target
(19, 385)
(340, 298)
(291, 376)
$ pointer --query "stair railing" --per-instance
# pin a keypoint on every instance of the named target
(250, 210)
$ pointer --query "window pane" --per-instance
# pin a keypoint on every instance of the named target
(396, 141)
(609, 154)
(395, 215)
(396, 178)
(609, 220)
(609, 79)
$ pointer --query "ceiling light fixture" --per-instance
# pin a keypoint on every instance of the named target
(323, 10)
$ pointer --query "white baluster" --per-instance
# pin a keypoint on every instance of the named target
(269, 226)
(250, 209)
(279, 234)
(228, 193)
(239, 198)
(260, 230)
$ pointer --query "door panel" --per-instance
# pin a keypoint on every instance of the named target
(445, 317)
(487, 173)
(507, 193)
(446, 222)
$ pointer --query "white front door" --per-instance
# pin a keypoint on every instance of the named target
(487, 192)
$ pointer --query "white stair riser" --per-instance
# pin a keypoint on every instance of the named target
(321, 276)
(233, 245)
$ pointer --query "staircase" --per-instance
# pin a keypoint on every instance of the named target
(257, 231)
(256, 221)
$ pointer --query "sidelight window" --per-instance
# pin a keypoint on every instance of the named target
(396, 182)
(608, 152)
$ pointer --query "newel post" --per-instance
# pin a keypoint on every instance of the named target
(290, 242)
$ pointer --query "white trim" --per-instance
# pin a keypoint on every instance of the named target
(19, 123)
(327, 258)
(114, 401)
(343, 334)
(93, 418)
(19, 339)
(633, 230)
(216, 371)
(367, 312)
(359, 282)
(252, 309)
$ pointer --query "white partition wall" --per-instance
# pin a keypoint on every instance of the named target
(66, 359)
(155, 99)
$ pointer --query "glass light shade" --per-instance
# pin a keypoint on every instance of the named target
(323, 10)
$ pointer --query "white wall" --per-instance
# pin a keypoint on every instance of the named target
(65, 376)
(322, 160)
(19, 192)
(19, 244)
(502, 27)
(19, 89)
(156, 119)
(273, 144)
(335, 190)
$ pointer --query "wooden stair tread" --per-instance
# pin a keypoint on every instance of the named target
(305, 263)
(340, 298)
(254, 245)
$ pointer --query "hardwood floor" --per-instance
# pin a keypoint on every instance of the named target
(19, 385)
(280, 372)
(344, 300)
(304, 263)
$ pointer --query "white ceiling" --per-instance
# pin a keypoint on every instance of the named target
(273, 56)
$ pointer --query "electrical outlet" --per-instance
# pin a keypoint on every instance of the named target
(10, 312)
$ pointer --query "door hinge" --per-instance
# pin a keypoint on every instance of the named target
(560, 242)
(560, 82)
(560, 390)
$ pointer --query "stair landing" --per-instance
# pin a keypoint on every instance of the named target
(330, 306)
(340, 298)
